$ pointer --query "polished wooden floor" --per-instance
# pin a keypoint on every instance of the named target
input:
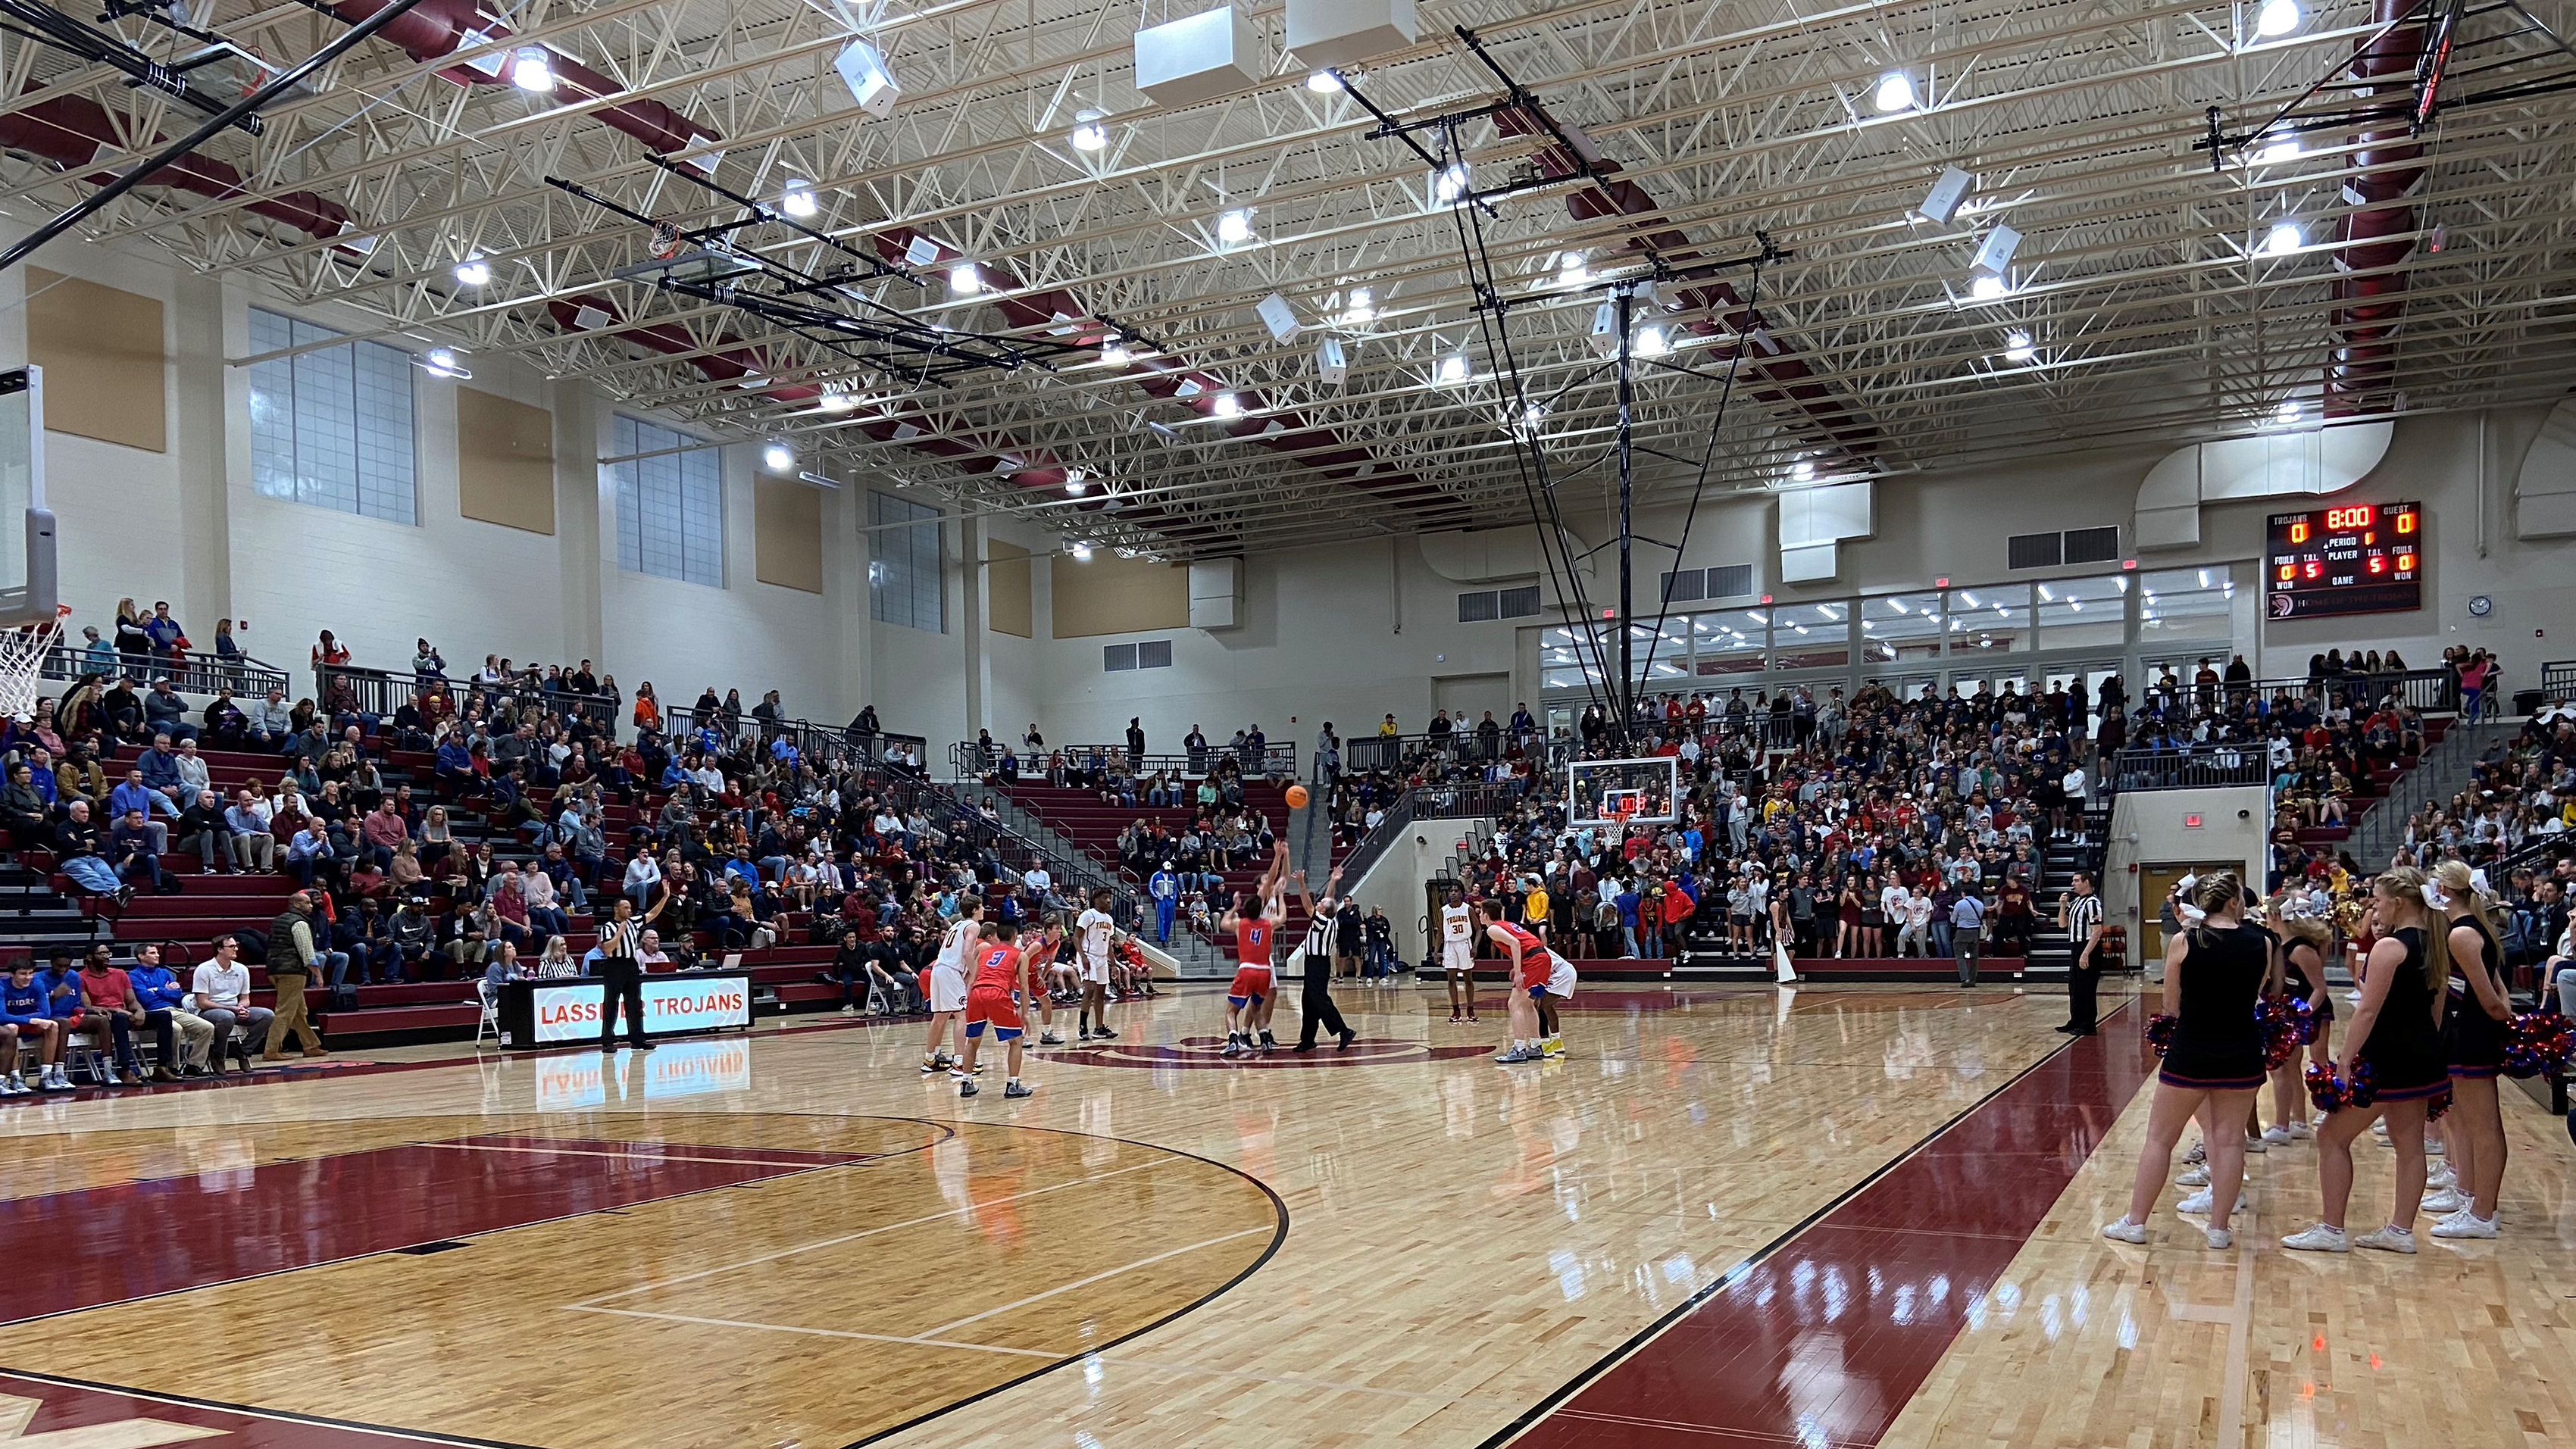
(1732, 1216)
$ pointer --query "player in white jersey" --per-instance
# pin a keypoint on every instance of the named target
(1091, 932)
(1458, 955)
(948, 986)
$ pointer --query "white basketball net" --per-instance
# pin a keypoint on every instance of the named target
(22, 658)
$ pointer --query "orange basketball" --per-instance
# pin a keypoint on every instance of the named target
(1296, 797)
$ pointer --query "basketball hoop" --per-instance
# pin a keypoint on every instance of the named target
(22, 659)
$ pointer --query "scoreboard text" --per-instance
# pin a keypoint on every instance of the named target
(2362, 558)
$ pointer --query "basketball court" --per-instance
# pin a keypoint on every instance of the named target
(1731, 1216)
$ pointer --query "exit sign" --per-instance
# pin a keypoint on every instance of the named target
(2191, 822)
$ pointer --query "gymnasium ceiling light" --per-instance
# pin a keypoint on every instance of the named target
(1234, 228)
(1894, 92)
(2017, 346)
(1080, 550)
(531, 69)
(1088, 134)
(473, 271)
(1988, 289)
(1076, 482)
(2277, 149)
(1323, 82)
(964, 280)
(836, 400)
(1452, 370)
(1114, 353)
(443, 362)
(797, 199)
(1651, 341)
(1226, 405)
(777, 457)
(1360, 308)
(2277, 18)
(1449, 183)
(2285, 236)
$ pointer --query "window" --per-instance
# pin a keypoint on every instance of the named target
(1811, 636)
(670, 507)
(2074, 546)
(1520, 603)
(2186, 604)
(1990, 621)
(331, 427)
(904, 586)
(1726, 581)
(2035, 550)
(1728, 642)
(2083, 612)
(1900, 626)
(2093, 545)
(1565, 660)
(1144, 654)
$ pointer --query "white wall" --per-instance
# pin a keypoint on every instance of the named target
(1344, 631)
(1395, 882)
(2151, 827)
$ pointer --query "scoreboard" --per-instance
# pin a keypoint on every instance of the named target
(2361, 558)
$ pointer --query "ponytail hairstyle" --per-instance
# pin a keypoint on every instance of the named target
(2297, 916)
(2212, 893)
(2405, 885)
(2457, 887)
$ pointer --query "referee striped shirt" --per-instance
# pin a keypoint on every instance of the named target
(617, 938)
(2083, 914)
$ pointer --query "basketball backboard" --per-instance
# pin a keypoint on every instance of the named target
(28, 586)
(1641, 792)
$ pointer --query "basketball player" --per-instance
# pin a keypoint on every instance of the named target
(1560, 987)
(948, 988)
(1046, 966)
(1458, 954)
(1254, 919)
(1531, 966)
(1316, 1005)
(994, 1001)
(1092, 931)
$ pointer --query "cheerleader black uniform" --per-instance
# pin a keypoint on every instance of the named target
(2405, 1047)
(2471, 1039)
(2303, 986)
(2217, 1043)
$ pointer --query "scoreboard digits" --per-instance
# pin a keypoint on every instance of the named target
(2362, 558)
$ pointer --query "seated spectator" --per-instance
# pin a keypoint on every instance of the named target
(24, 813)
(78, 848)
(110, 1013)
(26, 1019)
(180, 1036)
(204, 828)
(254, 848)
(166, 713)
(142, 799)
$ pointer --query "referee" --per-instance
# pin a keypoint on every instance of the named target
(1316, 1006)
(2079, 915)
(621, 977)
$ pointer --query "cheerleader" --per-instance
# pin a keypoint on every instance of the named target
(2397, 1032)
(2475, 1009)
(2215, 973)
(2306, 942)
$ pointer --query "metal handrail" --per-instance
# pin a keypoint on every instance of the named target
(953, 814)
(2201, 767)
(2384, 824)
(2558, 678)
(190, 672)
(382, 692)
(969, 760)
(1364, 855)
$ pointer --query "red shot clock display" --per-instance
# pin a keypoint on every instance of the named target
(2360, 558)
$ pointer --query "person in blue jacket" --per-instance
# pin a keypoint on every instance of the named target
(159, 991)
(1165, 887)
(24, 1017)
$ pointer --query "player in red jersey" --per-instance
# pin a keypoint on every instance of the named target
(1532, 965)
(993, 1000)
(1254, 919)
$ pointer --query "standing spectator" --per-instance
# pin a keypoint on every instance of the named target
(1967, 926)
(222, 987)
(329, 652)
(133, 641)
(293, 957)
(169, 641)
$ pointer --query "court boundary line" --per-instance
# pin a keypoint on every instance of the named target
(1278, 1239)
(289, 1416)
(1636, 1342)
(802, 1169)
(854, 1160)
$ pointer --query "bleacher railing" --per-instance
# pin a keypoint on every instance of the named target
(2426, 691)
(1430, 802)
(2201, 767)
(2558, 679)
(970, 760)
(1075, 878)
(381, 692)
(191, 672)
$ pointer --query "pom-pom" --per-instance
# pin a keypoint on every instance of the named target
(2537, 1042)
(2333, 1093)
(2287, 1024)
(2160, 1032)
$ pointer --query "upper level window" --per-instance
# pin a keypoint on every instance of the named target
(331, 427)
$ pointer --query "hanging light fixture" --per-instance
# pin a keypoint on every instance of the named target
(1452, 370)
(1651, 341)
(2017, 346)
(473, 271)
(532, 69)
(1234, 228)
(777, 457)
(1113, 353)
(2277, 18)
(1076, 482)
(1450, 182)
(797, 199)
(1895, 92)
(1088, 134)
(964, 280)
(1227, 405)
(2285, 236)
(1362, 307)
(1323, 82)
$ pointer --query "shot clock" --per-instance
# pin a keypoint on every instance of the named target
(2361, 558)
